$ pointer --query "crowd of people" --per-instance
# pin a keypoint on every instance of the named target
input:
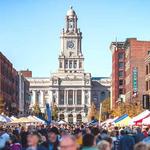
(73, 137)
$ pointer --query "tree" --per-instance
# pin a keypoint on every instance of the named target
(92, 112)
(36, 110)
(105, 110)
(132, 109)
(54, 112)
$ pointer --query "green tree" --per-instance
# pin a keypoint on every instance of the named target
(36, 110)
(54, 112)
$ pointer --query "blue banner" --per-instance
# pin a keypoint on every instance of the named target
(49, 114)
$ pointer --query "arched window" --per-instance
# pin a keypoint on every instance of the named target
(79, 97)
(70, 97)
(70, 118)
(79, 118)
(61, 97)
(61, 117)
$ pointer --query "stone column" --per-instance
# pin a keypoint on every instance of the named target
(57, 96)
(73, 97)
(74, 118)
(83, 97)
(33, 98)
(41, 98)
(89, 98)
(65, 97)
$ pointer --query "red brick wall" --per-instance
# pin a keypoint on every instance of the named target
(137, 52)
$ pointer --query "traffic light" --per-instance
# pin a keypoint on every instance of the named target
(146, 101)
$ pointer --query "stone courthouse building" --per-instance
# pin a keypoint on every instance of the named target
(70, 87)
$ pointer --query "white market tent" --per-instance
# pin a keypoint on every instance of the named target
(146, 121)
(62, 122)
(141, 116)
(5, 119)
(38, 119)
(109, 121)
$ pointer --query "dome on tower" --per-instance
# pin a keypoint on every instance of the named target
(71, 12)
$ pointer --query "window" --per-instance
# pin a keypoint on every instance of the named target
(120, 56)
(75, 64)
(79, 97)
(146, 69)
(70, 97)
(70, 64)
(120, 91)
(61, 97)
(146, 85)
(66, 63)
(120, 74)
(121, 65)
(148, 52)
(120, 82)
(80, 64)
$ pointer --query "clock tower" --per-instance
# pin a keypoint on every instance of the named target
(71, 58)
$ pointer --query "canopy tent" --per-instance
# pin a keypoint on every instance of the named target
(108, 121)
(36, 119)
(62, 122)
(24, 120)
(4, 119)
(139, 118)
(121, 118)
(123, 122)
(146, 121)
(13, 118)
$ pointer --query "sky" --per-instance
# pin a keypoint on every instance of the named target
(30, 31)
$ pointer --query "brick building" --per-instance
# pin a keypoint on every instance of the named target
(26, 73)
(11, 87)
(147, 74)
(118, 72)
(136, 51)
(8, 87)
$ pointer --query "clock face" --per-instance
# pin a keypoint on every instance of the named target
(70, 44)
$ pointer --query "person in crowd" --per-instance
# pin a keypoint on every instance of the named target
(103, 145)
(126, 141)
(23, 135)
(104, 134)
(141, 146)
(147, 139)
(145, 132)
(139, 136)
(89, 142)
(33, 140)
(68, 143)
(78, 136)
(4, 138)
(95, 131)
(53, 139)
(14, 143)
(110, 141)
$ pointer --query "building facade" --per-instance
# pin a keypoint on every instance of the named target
(118, 72)
(8, 87)
(136, 51)
(100, 90)
(70, 87)
(24, 95)
(128, 59)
